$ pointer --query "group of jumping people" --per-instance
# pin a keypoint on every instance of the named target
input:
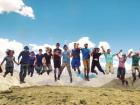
(29, 61)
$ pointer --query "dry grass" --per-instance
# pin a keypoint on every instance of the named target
(51, 95)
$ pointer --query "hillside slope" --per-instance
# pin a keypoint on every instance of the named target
(50, 95)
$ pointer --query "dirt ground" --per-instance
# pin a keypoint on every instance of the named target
(55, 95)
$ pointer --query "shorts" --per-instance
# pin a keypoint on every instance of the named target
(9, 69)
(134, 68)
(57, 63)
(86, 63)
(75, 62)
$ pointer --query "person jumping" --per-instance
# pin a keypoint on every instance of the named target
(57, 52)
(86, 60)
(10, 60)
(95, 61)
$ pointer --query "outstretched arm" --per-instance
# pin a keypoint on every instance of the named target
(15, 61)
(3, 61)
(19, 56)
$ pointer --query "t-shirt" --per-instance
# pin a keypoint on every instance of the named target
(48, 58)
(32, 59)
(25, 57)
(76, 53)
(121, 62)
(96, 56)
(135, 60)
(9, 61)
(66, 56)
(85, 53)
(109, 57)
(39, 58)
(59, 51)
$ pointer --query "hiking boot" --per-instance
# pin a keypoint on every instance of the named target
(58, 78)
(95, 72)
(70, 80)
(126, 82)
(134, 77)
(88, 78)
(48, 72)
(55, 79)
(21, 82)
(85, 77)
(103, 72)
(79, 72)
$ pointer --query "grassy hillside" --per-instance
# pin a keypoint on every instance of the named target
(51, 95)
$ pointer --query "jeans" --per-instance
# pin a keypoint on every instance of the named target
(23, 72)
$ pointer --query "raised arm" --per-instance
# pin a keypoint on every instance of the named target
(92, 52)
(103, 49)
(130, 54)
(119, 53)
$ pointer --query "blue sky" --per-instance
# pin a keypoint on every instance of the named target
(114, 21)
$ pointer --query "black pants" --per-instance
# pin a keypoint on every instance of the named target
(57, 63)
(9, 70)
(23, 72)
(31, 70)
(96, 64)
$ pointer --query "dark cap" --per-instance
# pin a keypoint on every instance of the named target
(65, 46)
(57, 44)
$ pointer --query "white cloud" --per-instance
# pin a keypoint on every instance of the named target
(82, 41)
(41, 80)
(17, 47)
(9, 44)
(16, 6)
(35, 47)
(104, 44)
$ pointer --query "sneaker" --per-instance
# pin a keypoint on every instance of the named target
(24, 82)
(58, 78)
(103, 72)
(95, 72)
